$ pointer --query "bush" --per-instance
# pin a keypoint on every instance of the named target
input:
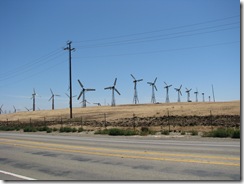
(116, 131)
(30, 129)
(80, 129)
(194, 132)
(42, 129)
(74, 130)
(105, 131)
(183, 133)
(165, 132)
(49, 130)
(65, 129)
(236, 134)
(222, 133)
(55, 129)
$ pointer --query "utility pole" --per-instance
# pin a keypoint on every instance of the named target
(213, 93)
(70, 76)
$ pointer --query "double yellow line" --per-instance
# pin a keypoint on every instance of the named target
(123, 153)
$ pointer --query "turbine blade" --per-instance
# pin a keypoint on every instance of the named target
(155, 87)
(180, 93)
(169, 85)
(139, 80)
(116, 91)
(155, 80)
(115, 81)
(51, 91)
(80, 95)
(108, 88)
(90, 90)
(80, 83)
(50, 98)
(67, 95)
(133, 76)
(150, 83)
(180, 86)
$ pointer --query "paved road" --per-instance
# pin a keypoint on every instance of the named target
(49, 157)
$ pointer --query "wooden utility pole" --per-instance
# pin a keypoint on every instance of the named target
(70, 76)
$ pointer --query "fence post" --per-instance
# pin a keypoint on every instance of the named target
(105, 120)
(211, 120)
(168, 119)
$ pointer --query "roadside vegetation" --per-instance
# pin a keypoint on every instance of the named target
(223, 133)
(143, 131)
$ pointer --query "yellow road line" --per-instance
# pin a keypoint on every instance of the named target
(125, 156)
(125, 151)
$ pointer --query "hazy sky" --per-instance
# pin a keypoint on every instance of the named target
(195, 43)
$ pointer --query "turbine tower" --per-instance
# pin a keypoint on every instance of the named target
(83, 92)
(153, 99)
(167, 92)
(52, 97)
(135, 98)
(1, 110)
(113, 89)
(15, 110)
(203, 97)
(188, 94)
(34, 99)
(196, 92)
(179, 92)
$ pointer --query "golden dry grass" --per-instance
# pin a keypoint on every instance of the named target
(127, 111)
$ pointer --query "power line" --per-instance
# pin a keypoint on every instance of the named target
(33, 62)
(159, 30)
(30, 68)
(162, 50)
(141, 40)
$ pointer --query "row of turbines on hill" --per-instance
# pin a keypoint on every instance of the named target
(114, 89)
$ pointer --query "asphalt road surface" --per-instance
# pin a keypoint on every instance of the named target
(62, 157)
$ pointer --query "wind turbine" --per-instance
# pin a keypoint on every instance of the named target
(135, 98)
(98, 104)
(52, 97)
(83, 92)
(196, 92)
(113, 89)
(1, 110)
(167, 92)
(179, 92)
(27, 109)
(15, 110)
(188, 94)
(153, 99)
(203, 97)
(34, 99)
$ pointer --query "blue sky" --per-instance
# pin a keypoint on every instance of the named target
(195, 43)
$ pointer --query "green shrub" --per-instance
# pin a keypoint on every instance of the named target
(42, 129)
(222, 133)
(55, 129)
(236, 134)
(116, 131)
(129, 132)
(183, 133)
(165, 132)
(65, 129)
(194, 132)
(49, 130)
(30, 129)
(74, 130)
(80, 129)
(105, 131)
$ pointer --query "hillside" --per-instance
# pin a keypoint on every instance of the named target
(127, 111)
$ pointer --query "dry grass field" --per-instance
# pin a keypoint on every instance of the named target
(127, 111)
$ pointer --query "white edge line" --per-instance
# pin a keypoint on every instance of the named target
(16, 175)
